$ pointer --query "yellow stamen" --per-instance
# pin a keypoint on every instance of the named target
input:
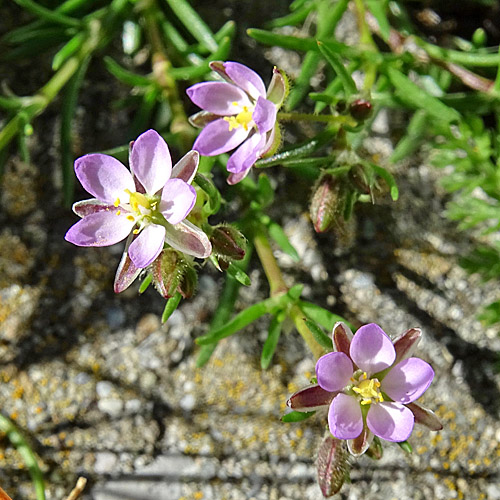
(368, 389)
(241, 119)
(118, 212)
(137, 199)
(136, 231)
(130, 217)
(117, 202)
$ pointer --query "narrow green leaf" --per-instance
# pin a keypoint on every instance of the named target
(193, 72)
(388, 177)
(265, 190)
(205, 354)
(379, 11)
(270, 343)
(170, 307)
(249, 315)
(320, 315)
(193, 23)
(47, 14)
(239, 275)
(228, 30)
(145, 283)
(227, 300)
(412, 140)
(124, 75)
(297, 416)
(339, 68)
(292, 19)
(299, 43)
(417, 98)
(406, 446)
(278, 235)
(70, 101)
(18, 440)
(68, 50)
(472, 58)
(19, 36)
(242, 319)
(300, 151)
(319, 335)
(496, 87)
(213, 193)
(301, 84)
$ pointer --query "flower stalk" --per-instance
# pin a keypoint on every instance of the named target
(277, 286)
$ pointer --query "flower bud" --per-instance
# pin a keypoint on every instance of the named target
(332, 465)
(168, 270)
(228, 242)
(360, 109)
(327, 203)
(189, 281)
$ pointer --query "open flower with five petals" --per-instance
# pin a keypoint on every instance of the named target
(370, 384)
(237, 113)
(149, 204)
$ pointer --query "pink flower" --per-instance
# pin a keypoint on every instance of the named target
(370, 385)
(237, 113)
(149, 204)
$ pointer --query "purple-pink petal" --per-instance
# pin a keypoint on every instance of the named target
(189, 239)
(127, 272)
(235, 178)
(333, 371)
(245, 78)
(186, 167)
(104, 177)
(344, 417)
(202, 118)
(218, 97)
(406, 344)
(390, 421)
(216, 138)
(310, 398)
(408, 380)
(147, 246)
(177, 200)
(87, 207)
(150, 161)
(264, 115)
(424, 416)
(361, 443)
(101, 229)
(371, 349)
(341, 337)
(246, 155)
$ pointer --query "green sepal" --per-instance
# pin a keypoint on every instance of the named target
(297, 416)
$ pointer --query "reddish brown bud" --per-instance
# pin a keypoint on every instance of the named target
(228, 242)
(332, 465)
(360, 109)
(327, 203)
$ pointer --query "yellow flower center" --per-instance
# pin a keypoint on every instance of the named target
(368, 389)
(242, 119)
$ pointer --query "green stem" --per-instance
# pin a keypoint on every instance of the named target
(225, 308)
(305, 117)
(161, 73)
(277, 286)
(18, 440)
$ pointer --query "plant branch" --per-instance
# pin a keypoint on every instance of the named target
(277, 286)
